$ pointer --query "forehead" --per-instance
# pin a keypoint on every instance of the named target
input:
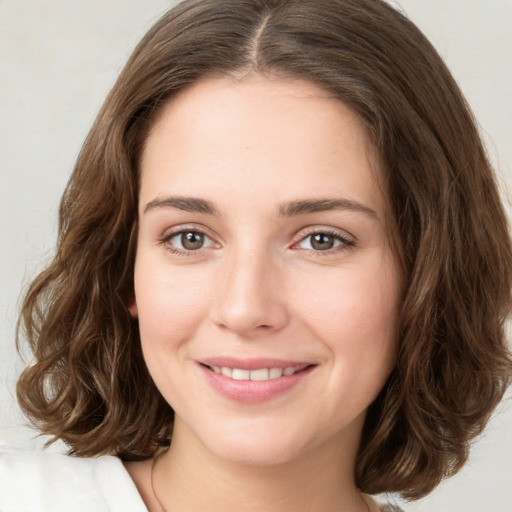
(257, 133)
(236, 105)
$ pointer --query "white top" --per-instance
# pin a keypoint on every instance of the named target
(37, 481)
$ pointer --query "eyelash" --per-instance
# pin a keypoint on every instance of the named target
(345, 242)
(165, 240)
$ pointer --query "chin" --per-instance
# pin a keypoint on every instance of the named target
(263, 454)
(260, 444)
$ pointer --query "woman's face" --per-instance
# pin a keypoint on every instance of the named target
(266, 291)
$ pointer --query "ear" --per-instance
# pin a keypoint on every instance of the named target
(132, 308)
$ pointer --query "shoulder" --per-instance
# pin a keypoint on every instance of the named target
(374, 506)
(40, 481)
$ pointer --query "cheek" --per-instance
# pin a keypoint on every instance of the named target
(355, 314)
(170, 303)
(357, 320)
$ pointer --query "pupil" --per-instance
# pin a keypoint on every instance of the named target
(192, 241)
(322, 242)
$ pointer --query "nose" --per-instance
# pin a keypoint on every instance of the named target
(250, 299)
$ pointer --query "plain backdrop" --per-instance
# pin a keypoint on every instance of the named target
(59, 58)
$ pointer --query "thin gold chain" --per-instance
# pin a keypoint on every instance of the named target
(165, 510)
(153, 485)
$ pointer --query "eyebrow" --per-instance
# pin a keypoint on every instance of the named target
(290, 209)
(305, 206)
(187, 204)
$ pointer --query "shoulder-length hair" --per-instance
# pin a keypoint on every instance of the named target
(88, 384)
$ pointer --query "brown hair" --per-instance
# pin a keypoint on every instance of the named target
(89, 386)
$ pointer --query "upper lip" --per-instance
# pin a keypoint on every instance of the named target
(252, 363)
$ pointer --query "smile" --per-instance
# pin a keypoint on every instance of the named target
(258, 374)
(255, 380)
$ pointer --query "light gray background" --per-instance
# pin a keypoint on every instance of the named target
(58, 59)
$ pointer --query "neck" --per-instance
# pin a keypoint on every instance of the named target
(189, 477)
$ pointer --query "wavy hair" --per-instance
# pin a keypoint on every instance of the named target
(88, 384)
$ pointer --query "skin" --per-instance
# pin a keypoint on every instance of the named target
(259, 287)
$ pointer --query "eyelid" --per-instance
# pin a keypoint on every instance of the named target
(347, 239)
(168, 234)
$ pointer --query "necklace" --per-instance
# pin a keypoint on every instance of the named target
(165, 510)
(153, 485)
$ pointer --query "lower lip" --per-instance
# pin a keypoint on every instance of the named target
(253, 391)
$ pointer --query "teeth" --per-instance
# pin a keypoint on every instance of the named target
(228, 372)
(240, 374)
(275, 373)
(259, 374)
(262, 374)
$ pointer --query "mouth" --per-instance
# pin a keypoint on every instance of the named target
(258, 374)
(256, 380)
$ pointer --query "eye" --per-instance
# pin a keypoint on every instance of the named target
(324, 241)
(187, 241)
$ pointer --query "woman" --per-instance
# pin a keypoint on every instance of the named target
(276, 212)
